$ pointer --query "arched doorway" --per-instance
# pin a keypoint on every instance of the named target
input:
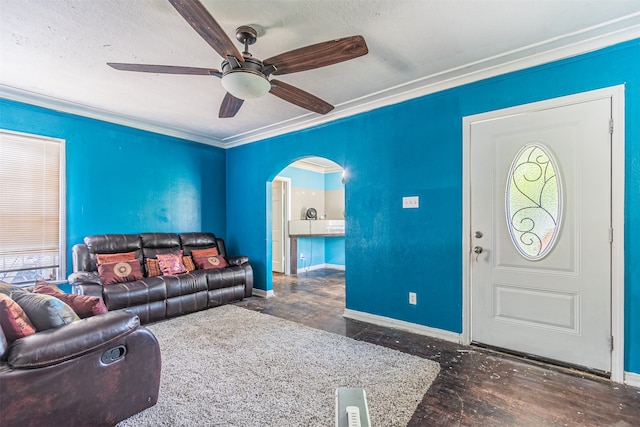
(308, 206)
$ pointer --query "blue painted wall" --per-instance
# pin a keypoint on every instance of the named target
(333, 181)
(415, 148)
(303, 178)
(123, 180)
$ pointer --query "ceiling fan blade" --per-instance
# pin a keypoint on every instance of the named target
(201, 20)
(318, 55)
(230, 106)
(299, 97)
(165, 69)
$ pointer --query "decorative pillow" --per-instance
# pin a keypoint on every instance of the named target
(108, 258)
(44, 311)
(119, 272)
(205, 263)
(171, 263)
(153, 267)
(84, 305)
(14, 321)
(188, 263)
(201, 253)
(6, 288)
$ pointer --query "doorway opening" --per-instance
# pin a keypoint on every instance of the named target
(308, 221)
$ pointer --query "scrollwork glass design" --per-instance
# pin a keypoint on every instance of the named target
(533, 202)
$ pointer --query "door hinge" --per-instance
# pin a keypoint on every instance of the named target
(610, 235)
(611, 342)
(611, 126)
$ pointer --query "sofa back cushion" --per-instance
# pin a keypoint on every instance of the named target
(159, 243)
(191, 241)
(112, 244)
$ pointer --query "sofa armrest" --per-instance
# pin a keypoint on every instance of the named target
(80, 277)
(237, 260)
(86, 283)
(53, 346)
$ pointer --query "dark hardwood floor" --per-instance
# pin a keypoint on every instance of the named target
(475, 387)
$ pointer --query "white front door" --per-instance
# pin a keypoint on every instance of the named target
(540, 191)
(277, 221)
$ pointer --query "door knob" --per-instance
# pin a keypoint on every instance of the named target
(478, 251)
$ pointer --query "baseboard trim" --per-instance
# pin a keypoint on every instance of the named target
(632, 379)
(320, 267)
(261, 293)
(404, 326)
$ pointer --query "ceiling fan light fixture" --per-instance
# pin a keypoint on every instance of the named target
(245, 84)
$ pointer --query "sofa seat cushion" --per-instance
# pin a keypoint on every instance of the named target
(122, 295)
(218, 278)
(185, 284)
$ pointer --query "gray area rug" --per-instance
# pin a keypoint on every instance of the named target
(229, 366)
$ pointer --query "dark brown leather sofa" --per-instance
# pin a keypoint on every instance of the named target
(156, 298)
(92, 372)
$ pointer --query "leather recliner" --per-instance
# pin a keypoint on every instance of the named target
(96, 371)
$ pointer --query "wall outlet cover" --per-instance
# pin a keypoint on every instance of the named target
(411, 202)
(413, 298)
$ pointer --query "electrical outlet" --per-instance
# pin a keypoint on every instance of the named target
(301, 257)
(413, 298)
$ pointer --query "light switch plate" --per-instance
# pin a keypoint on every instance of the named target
(410, 202)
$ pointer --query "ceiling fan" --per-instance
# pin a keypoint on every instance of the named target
(245, 77)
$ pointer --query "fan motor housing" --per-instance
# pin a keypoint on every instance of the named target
(250, 65)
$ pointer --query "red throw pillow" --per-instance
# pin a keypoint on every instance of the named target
(205, 263)
(171, 263)
(15, 322)
(153, 267)
(107, 258)
(201, 253)
(119, 272)
(188, 263)
(84, 305)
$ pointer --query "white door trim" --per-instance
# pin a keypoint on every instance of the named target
(286, 216)
(616, 93)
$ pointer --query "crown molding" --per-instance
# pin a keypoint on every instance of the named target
(31, 98)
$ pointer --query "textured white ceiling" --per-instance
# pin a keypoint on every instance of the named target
(54, 53)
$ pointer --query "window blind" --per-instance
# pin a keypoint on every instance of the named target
(29, 208)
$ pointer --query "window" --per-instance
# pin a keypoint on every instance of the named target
(533, 202)
(32, 215)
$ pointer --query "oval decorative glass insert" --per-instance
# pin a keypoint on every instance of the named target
(533, 201)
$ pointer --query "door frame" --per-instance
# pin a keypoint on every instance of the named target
(616, 93)
(286, 216)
